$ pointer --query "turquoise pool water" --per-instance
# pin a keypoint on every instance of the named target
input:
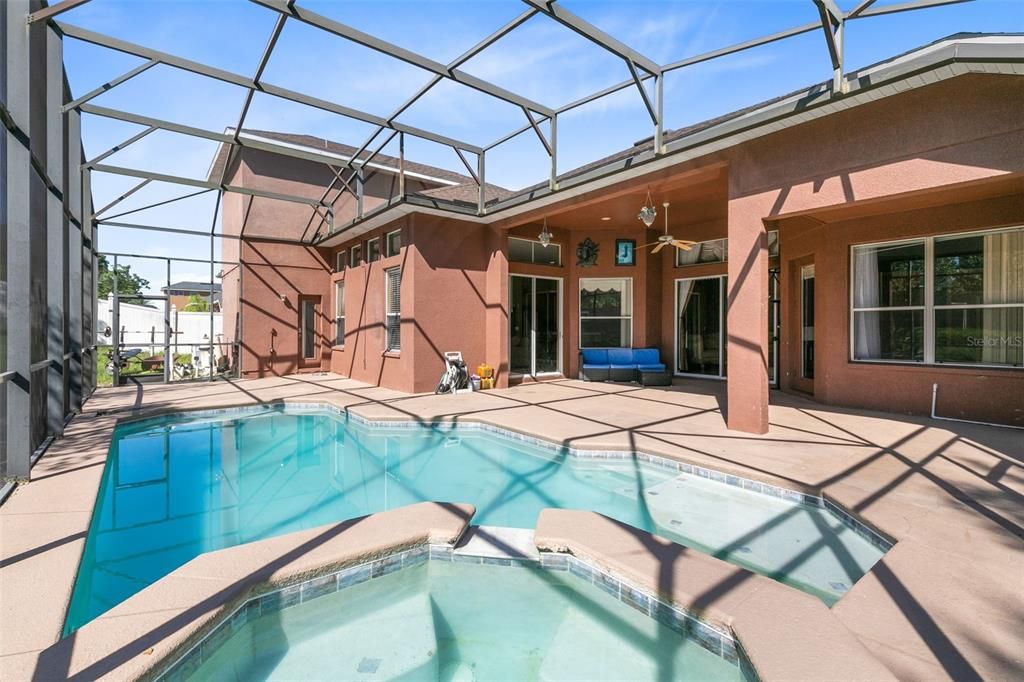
(443, 621)
(174, 488)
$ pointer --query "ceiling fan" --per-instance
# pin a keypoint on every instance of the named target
(666, 239)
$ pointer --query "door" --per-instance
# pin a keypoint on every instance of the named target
(700, 326)
(309, 331)
(774, 308)
(141, 338)
(535, 336)
(807, 322)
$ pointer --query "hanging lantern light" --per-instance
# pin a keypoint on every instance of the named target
(648, 213)
(545, 236)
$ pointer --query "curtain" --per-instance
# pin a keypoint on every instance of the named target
(689, 257)
(1003, 282)
(685, 291)
(866, 333)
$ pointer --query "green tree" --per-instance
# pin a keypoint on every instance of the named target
(196, 304)
(129, 285)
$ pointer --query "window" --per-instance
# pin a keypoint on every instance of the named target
(308, 332)
(340, 260)
(807, 322)
(354, 255)
(955, 299)
(373, 250)
(606, 313)
(393, 243)
(530, 251)
(717, 251)
(393, 309)
(339, 314)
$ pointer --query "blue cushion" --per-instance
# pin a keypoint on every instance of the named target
(651, 368)
(596, 367)
(621, 357)
(595, 356)
(646, 356)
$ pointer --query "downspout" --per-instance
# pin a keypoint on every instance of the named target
(935, 397)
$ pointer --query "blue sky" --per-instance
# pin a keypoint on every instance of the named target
(540, 59)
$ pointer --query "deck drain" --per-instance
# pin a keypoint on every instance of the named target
(368, 665)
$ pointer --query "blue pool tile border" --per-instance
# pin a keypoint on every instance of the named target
(854, 524)
(714, 640)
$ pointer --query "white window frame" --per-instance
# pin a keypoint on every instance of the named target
(339, 312)
(723, 294)
(388, 312)
(929, 307)
(534, 244)
(340, 260)
(355, 254)
(579, 311)
(387, 243)
(369, 250)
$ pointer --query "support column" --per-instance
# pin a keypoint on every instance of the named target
(55, 245)
(18, 171)
(496, 297)
(747, 319)
(75, 272)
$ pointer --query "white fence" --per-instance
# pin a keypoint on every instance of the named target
(143, 327)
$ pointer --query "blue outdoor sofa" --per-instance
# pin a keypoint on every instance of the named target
(624, 364)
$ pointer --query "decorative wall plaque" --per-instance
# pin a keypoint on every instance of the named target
(586, 253)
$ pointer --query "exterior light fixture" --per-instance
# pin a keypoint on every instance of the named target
(607, 217)
(648, 213)
(544, 237)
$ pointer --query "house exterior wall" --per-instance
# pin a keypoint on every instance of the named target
(451, 300)
(275, 276)
(894, 168)
(978, 393)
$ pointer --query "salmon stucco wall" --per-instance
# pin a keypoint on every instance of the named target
(274, 277)
(452, 299)
(977, 393)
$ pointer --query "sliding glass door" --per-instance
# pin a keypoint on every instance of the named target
(535, 313)
(701, 326)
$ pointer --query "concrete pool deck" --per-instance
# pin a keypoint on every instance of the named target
(945, 603)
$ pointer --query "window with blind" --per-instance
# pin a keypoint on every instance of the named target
(339, 314)
(373, 250)
(956, 299)
(393, 310)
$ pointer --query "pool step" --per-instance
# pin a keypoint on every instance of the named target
(499, 542)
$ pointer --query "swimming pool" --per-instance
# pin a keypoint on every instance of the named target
(175, 487)
(447, 621)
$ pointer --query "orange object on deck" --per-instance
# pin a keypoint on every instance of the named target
(485, 371)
